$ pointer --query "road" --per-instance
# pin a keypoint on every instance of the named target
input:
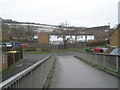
(71, 72)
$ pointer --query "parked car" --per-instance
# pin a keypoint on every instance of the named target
(8, 44)
(16, 44)
(2, 45)
(24, 44)
(100, 50)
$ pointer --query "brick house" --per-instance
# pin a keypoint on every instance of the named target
(99, 33)
(50, 38)
(43, 38)
(115, 37)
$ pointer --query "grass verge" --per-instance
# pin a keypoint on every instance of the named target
(38, 52)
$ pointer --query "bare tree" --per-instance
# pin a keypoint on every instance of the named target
(5, 34)
(19, 32)
(30, 33)
(63, 32)
(16, 32)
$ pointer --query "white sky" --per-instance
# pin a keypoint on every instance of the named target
(77, 12)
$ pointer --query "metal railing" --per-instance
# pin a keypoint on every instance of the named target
(105, 61)
(36, 76)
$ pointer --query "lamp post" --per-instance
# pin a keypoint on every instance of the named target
(107, 35)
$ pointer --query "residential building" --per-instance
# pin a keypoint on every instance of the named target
(101, 33)
(57, 39)
(115, 37)
(43, 38)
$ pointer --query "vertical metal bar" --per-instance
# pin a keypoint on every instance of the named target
(95, 59)
(18, 83)
(31, 79)
(104, 60)
(117, 63)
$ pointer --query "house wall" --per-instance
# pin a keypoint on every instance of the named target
(91, 37)
(54, 39)
(115, 38)
(43, 38)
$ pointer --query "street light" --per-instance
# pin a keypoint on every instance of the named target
(107, 35)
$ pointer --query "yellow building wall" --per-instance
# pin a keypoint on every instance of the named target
(43, 38)
(115, 38)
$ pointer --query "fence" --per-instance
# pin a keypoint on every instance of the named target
(36, 76)
(8, 59)
(105, 61)
(48, 47)
(14, 57)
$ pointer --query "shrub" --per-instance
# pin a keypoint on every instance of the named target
(38, 49)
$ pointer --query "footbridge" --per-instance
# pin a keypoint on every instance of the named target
(76, 70)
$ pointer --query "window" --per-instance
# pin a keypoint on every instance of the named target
(49, 36)
(106, 30)
(81, 36)
(3, 59)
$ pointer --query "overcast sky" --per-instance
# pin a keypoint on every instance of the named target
(86, 13)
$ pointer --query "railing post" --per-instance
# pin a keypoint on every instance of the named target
(117, 63)
(31, 78)
(104, 60)
(95, 58)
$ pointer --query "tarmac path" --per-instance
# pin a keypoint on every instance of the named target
(71, 72)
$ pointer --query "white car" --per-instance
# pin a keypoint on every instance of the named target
(2, 45)
(8, 44)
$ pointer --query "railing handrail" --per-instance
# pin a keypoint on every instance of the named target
(106, 62)
(97, 53)
(22, 73)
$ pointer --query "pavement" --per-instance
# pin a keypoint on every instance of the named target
(71, 72)
(27, 61)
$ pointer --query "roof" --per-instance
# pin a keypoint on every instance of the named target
(68, 34)
(116, 51)
(118, 26)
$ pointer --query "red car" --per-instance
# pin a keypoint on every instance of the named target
(100, 50)
(24, 44)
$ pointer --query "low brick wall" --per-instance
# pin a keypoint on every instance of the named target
(8, 59)
(3, 62)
